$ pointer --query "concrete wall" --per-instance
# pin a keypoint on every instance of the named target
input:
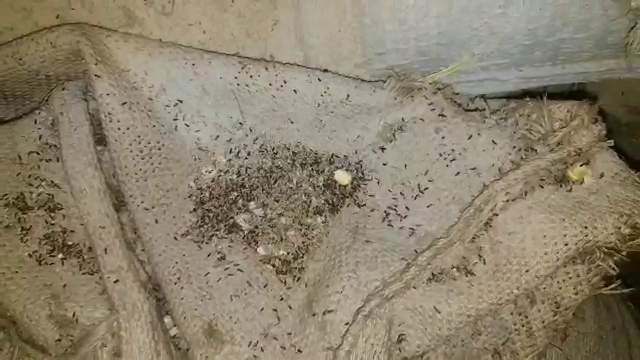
(505, 44)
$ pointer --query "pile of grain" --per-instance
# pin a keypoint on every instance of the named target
(275, 199)
(39, 219)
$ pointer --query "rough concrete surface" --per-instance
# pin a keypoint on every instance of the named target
(503, 45)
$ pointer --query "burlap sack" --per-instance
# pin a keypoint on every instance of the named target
(465, 234)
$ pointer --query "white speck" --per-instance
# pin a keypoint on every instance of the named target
(208, 172)
(343, 177)
(173, 332)
(244, 221)
(256, 209)
(168, 321)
